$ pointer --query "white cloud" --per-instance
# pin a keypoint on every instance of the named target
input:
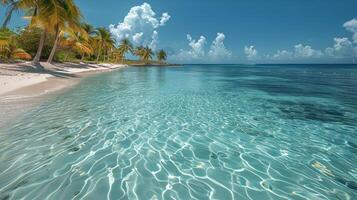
(282, 55)
(140, 25)
(307, 51)
(342, 48)
(137, 37)
(197, 51)
(300, 52)
(164, 18)
(352, 27)
(250, 52)
(197, 47)
(154, 40)
(218, 49)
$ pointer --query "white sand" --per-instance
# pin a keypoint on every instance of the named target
(22, 87)
(21, 75)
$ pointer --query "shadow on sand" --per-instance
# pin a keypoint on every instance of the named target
(55, 69)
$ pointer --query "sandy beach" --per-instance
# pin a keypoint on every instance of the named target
(19, 75)
(22, 86)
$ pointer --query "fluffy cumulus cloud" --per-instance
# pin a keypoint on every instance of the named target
(282, 54)
(352, 27)
(342, 48)
(140, 25)
(300, 52)
(307, 51)
(154, 40)
(218, 49)
(197, 50)
(250, 52)
(196, 47)
(164, 18)
(137, 37)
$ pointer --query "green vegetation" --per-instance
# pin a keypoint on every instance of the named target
(57, 32)
(8, 47)
(124, 48)
(161, 55)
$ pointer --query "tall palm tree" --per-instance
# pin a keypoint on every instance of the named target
(139, 52)
(12, 5)
(88, 41)
(125, 47)
(104, 41)
(118, 54)
(161, 55)
(66, 20)
(89, 29)
(31, 6)
(43, 16)
(77, 44)
(83, 46)
(147, 54)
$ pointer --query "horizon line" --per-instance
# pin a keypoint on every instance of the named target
(267, 64)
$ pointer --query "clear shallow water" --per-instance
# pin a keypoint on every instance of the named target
(193, 132)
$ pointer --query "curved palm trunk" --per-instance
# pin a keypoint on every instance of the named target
(36, 60)
(82, 57)
(54, 48)
(8, 15)
(99, 52)
(122, 59)
(66, 57)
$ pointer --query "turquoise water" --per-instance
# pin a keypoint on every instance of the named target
(192, 132)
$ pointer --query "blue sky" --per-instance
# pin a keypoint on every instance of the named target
(233, 31)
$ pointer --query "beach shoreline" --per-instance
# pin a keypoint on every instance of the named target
(16, 76)
(22, 87)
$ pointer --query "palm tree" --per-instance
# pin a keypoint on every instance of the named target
(87, 42)
(118, 54)
(83, 48)
(104, 41)
(147, 54)
(144, 53)
(161, 55)
(139, 52)
(72, 42)
(66, 20)
(31, 6)
(89, 29)
(43, 17)
(124, 47)
(50, 16)
(11, 7)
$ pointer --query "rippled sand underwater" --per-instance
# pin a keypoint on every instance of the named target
(193, 132)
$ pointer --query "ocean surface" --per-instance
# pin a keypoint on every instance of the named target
(192, 132)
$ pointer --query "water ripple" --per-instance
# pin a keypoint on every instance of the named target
(187, 133)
